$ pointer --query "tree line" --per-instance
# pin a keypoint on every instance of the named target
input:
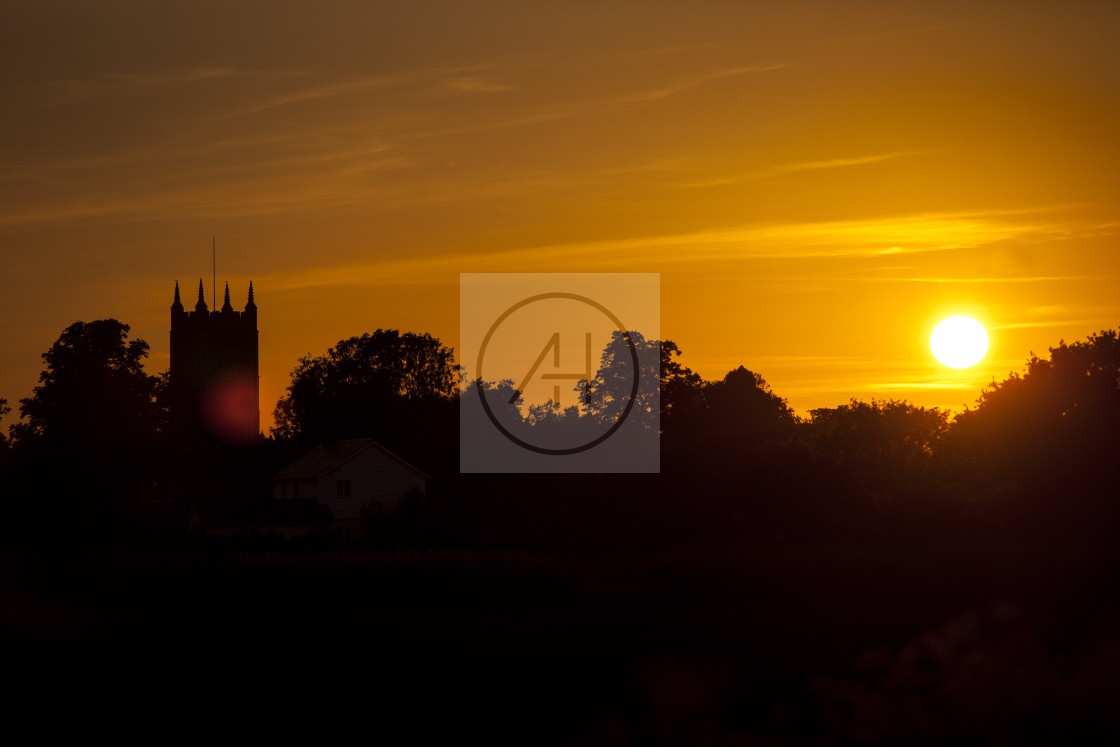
(1033, 456)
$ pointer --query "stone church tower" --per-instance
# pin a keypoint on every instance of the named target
(215, 381)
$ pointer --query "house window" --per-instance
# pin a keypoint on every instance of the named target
(344, 488)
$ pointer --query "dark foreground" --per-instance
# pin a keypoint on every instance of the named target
(768, 644)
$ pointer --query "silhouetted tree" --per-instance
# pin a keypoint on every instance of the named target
(4, 410)
(504, 401)
(502, 396)
(888, 445)
(92, 419)
(396, 387)
(1048, 437)
(606, 396)
(682, 390)
(1076, 392)
(5, 455)
(161, 392)
(742, 406)
(93, 389)
(550, 414)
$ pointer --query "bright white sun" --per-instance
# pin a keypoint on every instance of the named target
(959, 342)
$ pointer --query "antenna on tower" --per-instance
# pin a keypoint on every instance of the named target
(214, 269)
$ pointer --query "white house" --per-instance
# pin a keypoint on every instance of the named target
(349, 476)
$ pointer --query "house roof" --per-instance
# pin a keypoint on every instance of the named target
(326, 457)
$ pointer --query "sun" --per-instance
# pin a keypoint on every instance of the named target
(959, 342)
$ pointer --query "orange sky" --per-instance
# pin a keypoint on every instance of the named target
(816, 183)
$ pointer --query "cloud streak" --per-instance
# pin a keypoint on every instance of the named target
(1031, 279)
(116, 85)
(854, 238)
(687, 84)
(1050, 323)
(801, 166)
(476, 84)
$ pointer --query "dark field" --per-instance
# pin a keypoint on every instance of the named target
(769, 644)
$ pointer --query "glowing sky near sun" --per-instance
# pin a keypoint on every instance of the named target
(817, 183)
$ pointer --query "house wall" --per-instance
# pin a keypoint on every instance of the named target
(293, 489)
(374, 477)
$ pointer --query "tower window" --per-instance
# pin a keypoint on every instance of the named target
(344, 488)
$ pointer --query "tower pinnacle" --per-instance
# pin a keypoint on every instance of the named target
(250, 304)
(177, 305)
(201, 305)
(215, 373)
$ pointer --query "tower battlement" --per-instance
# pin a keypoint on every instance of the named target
(214, 366)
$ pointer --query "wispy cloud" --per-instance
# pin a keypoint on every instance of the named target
(952, 394)
(974, 383)
(853, 238)
(311, 87)
(792, 168)
(184, 82)
(19, 169)
(686, 84)
(1049, 323)
(863, 237)
(516, 120)
(320, 89)
(116, 84)
(476, 84)
(247, 196)
(1031, 279)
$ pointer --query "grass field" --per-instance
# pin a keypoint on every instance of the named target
(768, 643)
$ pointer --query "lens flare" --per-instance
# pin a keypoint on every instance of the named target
(231, 411)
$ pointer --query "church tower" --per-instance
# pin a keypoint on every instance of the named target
(215, 380)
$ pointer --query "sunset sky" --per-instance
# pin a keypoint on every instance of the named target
(817, 183)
